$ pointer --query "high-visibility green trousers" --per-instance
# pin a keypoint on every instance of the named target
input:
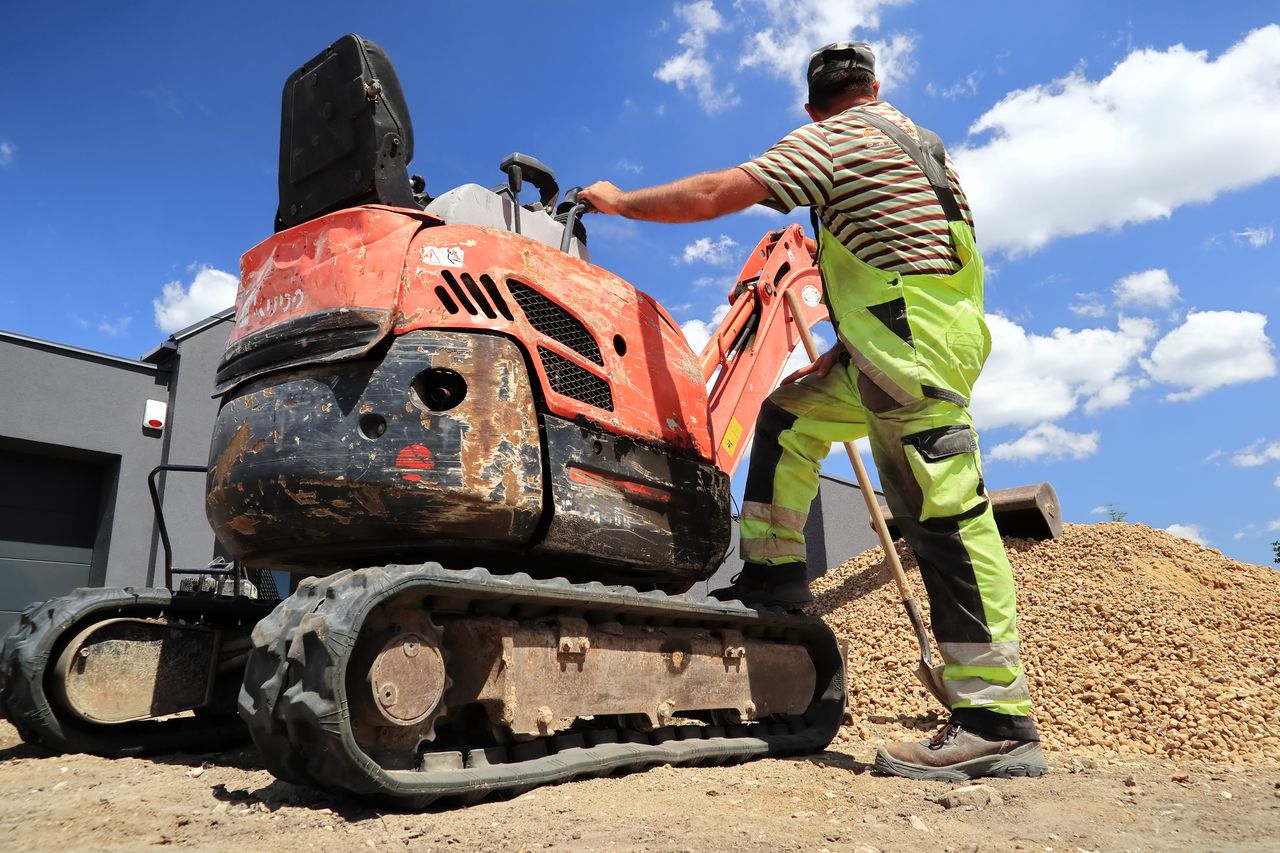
(926, 452)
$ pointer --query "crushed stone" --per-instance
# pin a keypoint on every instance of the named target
(1135, 642)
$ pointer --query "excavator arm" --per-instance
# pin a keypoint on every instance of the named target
(746, 355)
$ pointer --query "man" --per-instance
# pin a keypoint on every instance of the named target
(903, 281)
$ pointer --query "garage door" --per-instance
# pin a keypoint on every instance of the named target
(50, 509)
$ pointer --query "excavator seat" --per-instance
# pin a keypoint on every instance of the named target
(346, 140)
(345, 134)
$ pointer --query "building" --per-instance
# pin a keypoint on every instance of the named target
(75, 454)
(76, 451)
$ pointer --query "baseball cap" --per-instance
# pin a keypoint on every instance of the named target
(839, 55)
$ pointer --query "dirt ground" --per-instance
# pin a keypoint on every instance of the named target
(829, 801)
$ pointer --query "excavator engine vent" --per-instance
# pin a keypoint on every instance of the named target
(571, 380)
(470, 297)
(556, 323)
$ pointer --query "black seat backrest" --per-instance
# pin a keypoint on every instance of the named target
(345, 136)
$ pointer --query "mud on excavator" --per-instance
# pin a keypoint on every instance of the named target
(416, 386)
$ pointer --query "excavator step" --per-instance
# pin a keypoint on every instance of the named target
(511, 668)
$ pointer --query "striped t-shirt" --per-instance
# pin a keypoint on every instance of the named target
(870, 194)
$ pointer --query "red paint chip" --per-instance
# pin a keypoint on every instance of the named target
(415, 457)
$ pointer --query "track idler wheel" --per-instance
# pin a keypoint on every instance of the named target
(397, 683)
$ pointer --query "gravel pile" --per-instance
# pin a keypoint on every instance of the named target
(1135, 641)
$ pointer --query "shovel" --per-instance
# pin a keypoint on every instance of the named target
(929, 673)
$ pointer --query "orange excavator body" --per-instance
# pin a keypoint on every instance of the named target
(415, 387)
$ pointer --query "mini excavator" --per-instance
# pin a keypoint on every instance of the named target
(416, 386)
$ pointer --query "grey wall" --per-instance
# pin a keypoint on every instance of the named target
(837, 529)
(839, 526)
(74, 404)
(64, 402)
(191, 416)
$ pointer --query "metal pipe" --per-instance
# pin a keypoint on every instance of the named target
(159, 513)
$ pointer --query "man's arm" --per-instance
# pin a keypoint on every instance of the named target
(691, 199)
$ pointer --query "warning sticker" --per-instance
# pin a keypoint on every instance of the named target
(731, 436)
(442, 256)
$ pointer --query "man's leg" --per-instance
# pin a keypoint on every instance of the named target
(794, 432)
(929, 465)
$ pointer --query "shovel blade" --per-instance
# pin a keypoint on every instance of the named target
(931, 678)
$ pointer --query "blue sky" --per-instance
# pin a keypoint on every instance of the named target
(1122, 159)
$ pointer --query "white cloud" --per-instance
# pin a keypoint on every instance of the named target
(1256, 237)
(718, 253)
(1089, 305)
(1212, 349)
(794, 28)
(1149, 287)
(698, 332)
(1111, 394)
(719, 282)
(115, 327)
(179, 306)
(762, 211)
(799, 357)
(1047, 442)
(1277, 483)
(1258, 453)
(630, 166)
(1215, 454)
(691, 68)
(1163, 129)
(787, 31)
(7, 152)
(1100, 510)
(1188, 531)
(966, 87)
(1032, 378)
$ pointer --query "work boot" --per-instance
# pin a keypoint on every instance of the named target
(954, 755)
(758, 585)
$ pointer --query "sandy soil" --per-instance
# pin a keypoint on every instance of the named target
(828, 801)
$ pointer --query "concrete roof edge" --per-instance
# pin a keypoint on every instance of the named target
(200, 325)
(40, 343)
(161, 353)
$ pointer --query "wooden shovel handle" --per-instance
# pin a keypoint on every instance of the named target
(859, 470)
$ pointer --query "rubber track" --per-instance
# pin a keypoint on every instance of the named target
(265, 673)
(294, 697)
(33, 643)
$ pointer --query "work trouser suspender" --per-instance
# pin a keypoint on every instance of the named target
(929, 155)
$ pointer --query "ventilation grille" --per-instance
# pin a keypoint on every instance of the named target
(555, 322)
(573, 381)
(476, 299)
